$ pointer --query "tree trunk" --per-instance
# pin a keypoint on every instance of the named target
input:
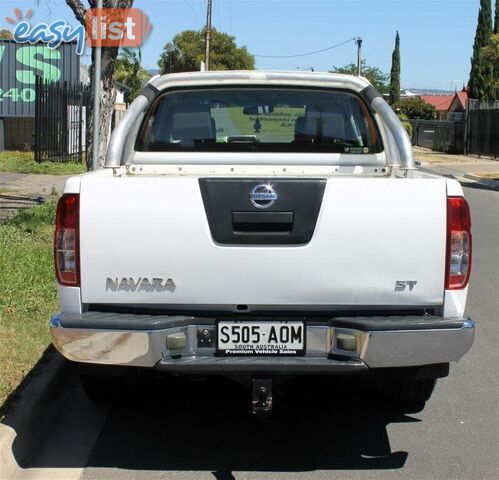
(108, 82)
(107, 101)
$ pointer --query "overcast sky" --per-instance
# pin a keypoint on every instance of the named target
(436, 35)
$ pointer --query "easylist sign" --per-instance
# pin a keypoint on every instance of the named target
(20, 64)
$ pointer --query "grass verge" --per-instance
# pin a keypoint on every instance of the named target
(489, 176)
(430, 156)
(27, 292)
(24, 162)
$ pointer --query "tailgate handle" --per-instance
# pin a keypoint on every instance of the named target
(262, 222)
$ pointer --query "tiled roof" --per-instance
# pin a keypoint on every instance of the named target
(440, 102)
(463, 97)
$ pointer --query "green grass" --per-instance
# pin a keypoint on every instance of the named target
(491, 176)
(23, 162)
(27, 292)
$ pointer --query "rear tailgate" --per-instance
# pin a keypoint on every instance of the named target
(370, 233)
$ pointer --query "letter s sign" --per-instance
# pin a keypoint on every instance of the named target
(28, 57)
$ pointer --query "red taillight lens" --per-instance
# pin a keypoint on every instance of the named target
(458, 265)
(66, 240)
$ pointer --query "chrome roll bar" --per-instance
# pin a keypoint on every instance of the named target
(116, 148)
(399, 136)
(398, 148)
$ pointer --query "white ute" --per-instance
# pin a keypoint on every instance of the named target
(263, 225)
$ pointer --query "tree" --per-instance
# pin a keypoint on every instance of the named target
(395, 73)
(481, 84)
(378, 78)
(415, 108)
(5, 35)
(108, 80)
(186, 52)
(491, 54)
(496, 19)
(129, 72)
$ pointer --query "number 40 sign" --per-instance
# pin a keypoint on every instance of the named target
(21, 64)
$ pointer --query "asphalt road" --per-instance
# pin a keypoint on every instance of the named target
(321, 429)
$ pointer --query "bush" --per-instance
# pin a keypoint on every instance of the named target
(414, 108)
(408, 127)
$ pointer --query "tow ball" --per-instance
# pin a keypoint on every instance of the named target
(262, 396)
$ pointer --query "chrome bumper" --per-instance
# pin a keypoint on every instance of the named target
(91, 339)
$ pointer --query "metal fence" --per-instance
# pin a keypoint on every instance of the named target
(61, 121)
(483, 132)
(439, 135)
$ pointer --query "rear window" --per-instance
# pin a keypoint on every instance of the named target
(260, 119)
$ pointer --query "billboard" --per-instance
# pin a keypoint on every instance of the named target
(20, 63)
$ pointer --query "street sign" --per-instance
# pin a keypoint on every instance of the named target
(19, 66)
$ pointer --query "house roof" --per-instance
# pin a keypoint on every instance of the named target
(459, 101)
(462, 97)
(440, 102)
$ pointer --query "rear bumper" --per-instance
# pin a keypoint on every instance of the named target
(378, 342)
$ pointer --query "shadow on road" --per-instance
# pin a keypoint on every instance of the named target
(177, 424)
(481, 186)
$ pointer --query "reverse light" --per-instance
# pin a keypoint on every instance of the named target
(66, 240)
(458, 264)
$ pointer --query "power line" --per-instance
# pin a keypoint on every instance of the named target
(308, 53)
(219, 18)
(191, 6)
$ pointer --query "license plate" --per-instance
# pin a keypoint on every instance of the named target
(261, 338)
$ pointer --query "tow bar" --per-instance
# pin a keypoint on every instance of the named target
(262, 396)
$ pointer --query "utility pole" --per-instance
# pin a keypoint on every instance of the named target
(97, 80)
(208, 37)
(359, 56)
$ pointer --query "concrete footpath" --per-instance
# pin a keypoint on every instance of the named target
(19, 191)
(484, 171)
(477, 171)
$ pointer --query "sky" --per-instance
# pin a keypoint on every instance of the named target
(436, 35)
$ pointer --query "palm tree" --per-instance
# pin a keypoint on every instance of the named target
(129, 72)
(5, 35)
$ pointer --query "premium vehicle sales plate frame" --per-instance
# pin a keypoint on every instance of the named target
(260, 338)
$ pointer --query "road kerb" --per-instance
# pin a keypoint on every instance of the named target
(27, 423)
(494, 184)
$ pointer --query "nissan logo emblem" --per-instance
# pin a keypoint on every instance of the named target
(263, 195)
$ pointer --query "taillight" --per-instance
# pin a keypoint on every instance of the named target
(458, 265)
(66, 240)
